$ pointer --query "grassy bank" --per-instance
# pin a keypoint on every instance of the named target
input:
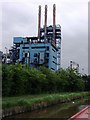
(30, 100)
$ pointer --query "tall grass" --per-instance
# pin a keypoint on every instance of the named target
(30, 100)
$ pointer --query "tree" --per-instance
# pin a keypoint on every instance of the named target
(86, 79)
(6, 80)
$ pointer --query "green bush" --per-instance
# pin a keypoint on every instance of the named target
(20, 80)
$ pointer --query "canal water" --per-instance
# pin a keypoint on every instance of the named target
(61, 111)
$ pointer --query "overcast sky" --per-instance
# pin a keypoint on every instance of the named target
(20, 18)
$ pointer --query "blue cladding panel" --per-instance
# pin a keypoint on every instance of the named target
(19, 40)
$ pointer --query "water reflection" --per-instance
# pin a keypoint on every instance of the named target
(61, 111)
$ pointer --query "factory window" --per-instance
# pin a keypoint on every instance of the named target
(47, 48)
(53, 62)
(21, 42)
(53, 50)
(25, 54)
(35, 54)
(38, 47)
(47, 60)
(59, 53)
(54, 57)
(58, 56)
(25, 47)
(52, 68)
(47, 54)
(17, 45)
(35, 60)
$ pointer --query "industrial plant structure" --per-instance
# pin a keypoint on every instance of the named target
(74, 65)
(44, 49)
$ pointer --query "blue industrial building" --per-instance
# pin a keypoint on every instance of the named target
(43, 50)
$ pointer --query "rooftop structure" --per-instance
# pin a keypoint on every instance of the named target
(74, 65)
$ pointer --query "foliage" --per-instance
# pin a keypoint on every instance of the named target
(86, 80)
(6, 80)
(30, 100)
(19, 80)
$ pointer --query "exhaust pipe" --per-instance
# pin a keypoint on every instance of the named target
(39, 22)
(45, 23)
(54, 22)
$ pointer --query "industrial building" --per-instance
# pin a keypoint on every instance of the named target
(1, 53)
(44, 49)
(74, 65)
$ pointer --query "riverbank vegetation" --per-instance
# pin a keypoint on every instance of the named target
(42, 99)
(20, 80)
(25, 89)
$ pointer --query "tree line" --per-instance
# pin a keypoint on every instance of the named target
(21, 80)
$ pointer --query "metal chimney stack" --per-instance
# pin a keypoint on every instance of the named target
(54, 22)
(39, 22)
(45, 23)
